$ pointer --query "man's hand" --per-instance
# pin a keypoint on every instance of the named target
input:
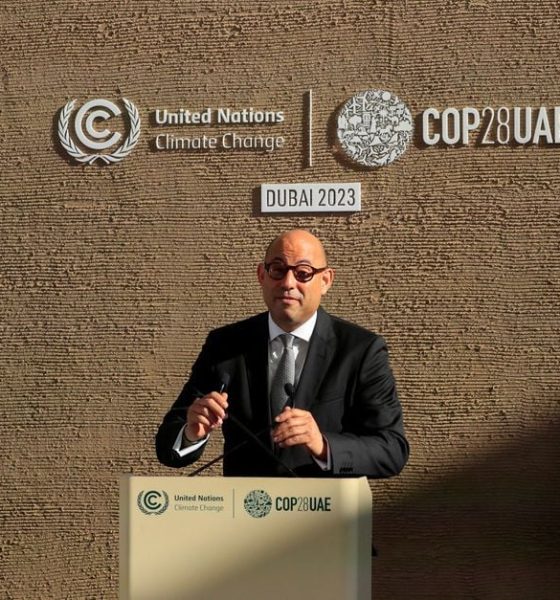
(205, 414)
(297, 427)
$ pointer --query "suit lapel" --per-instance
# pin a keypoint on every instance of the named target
(256, 360)
(322, 348)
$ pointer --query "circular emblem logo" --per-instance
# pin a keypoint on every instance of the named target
(374, 128)
(153, 502)
(257, 503)
(94, 138)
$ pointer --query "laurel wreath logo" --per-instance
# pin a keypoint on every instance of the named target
(149, 502)
(121, 152)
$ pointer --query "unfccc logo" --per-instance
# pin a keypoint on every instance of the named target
(88, 129)
(153, 502)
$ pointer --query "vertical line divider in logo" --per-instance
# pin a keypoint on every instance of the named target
(233, 503)
(310, 128)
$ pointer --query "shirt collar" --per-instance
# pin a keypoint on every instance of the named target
(303, 332)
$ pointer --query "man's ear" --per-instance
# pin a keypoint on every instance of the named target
(327, 278)
(260, 273)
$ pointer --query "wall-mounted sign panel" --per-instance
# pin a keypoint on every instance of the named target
(310, 197)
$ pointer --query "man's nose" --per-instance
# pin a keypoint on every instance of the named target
(289, 281)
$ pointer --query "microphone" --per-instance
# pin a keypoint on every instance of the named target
(225, 379)
(290, 392)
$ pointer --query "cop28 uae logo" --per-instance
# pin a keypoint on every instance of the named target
(87, 122)
(257, 503)
(374, 128)
(153, 502)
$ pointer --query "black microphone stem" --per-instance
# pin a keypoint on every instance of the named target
(247, 431)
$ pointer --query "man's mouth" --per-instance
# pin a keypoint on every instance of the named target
(287, 299)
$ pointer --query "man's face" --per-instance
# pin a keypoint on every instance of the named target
(289, 301)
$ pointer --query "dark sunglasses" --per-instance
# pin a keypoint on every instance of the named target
(302, 273)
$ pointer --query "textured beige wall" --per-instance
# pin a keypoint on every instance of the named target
(111, 277)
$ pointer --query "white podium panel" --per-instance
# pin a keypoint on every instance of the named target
(206, 538)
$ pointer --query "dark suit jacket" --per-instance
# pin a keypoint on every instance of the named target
(346, 383)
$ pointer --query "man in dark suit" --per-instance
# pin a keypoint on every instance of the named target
(317, 391)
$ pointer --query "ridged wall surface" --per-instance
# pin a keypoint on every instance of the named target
(111, 276)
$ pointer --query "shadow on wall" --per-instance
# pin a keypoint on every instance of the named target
(489, 532)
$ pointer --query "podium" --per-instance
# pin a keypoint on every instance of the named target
(216, 538)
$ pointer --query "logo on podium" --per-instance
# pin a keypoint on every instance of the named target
(257, 504)
(153, 502)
